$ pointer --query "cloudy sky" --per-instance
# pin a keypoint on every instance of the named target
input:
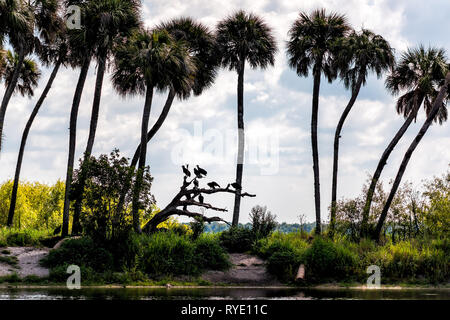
(202, 130)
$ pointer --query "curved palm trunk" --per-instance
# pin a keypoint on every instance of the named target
(9, 92)
(241, 143)
(437, 104)
(381, 164)
(156, 126)
(337, 136)
(23, 142)
(76, 227)
(142, 158)
(72, 142)
(150, 135)
(315, 148)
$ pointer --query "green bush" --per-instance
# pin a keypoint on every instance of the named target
(166, 253)
(284, 264)
(22, 238)
(284, 254)
(263, 222)
(210, 255)
(328, 260)
(237, 239)
(83, 252)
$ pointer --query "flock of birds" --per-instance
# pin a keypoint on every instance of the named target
(201, 173)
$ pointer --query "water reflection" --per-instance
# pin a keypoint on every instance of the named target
(220, 294)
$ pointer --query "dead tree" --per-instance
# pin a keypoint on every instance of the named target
(192, 196)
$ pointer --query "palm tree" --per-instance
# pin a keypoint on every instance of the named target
(362, 53)
(244, 37)
(2, 61)
(53, 51)
(29, 74)
(147, 61)
(81, 55)
(105, 22)
(16, 22)
(418, 72)
(437, 112)
(312, 44)
(201, 44)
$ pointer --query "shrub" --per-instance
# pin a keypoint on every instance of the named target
(237, 239)
(210, 255)
(22, 238)
(327, 260)
(197, 227)
(107, 195)
(263, 222)
(277, 241)
(166, 253)
(83, 252)
(284, 264)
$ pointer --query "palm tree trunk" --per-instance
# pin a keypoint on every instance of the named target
(156, 126)
(76, 228)
(436, 106)
(142, 158)
(337, 136)
(10, 90)
(72, 142)
(23, 142)
(315, 148)
(241, 143)
(150, 136)
(381, 164)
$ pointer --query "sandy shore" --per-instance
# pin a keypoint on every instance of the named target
(27, 262)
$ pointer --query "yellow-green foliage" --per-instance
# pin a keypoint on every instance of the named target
(39, 206)
(10, 237)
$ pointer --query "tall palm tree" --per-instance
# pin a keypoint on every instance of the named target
(53, 51)
(418, 72)
(361, 53)
(201, 43)
(149, 61)
(244, 37)
(437, 112)
(16, 22)
(29, 74)
(105, 22)
(312, 44)
(81, 55)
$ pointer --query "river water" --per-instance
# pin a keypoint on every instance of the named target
(220, 294)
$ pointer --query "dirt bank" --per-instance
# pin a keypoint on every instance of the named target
(24, 261)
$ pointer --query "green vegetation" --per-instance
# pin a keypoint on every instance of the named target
(38, 207)
(344, 261)
(24, 237)
(12, 261)
(155, 256)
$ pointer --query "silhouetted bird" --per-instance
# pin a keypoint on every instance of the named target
(197, 173)
(186, 170)
(213, 185)
(201, 199)
(237, 186)
(196, 183)
(57, 231)
(202, 171)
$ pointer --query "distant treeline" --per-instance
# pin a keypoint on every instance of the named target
(216, 227)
